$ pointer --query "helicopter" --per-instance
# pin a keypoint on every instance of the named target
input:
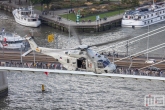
(81, 58)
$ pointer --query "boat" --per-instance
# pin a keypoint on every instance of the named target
(3, 84)
(144, 16)
(11, 41)
(26, 17)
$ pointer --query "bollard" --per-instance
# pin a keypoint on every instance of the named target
(43, 88)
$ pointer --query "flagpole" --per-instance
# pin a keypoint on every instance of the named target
(148, 42)
(3, 42)
(3, 45)
(34, 56)
(21, 54)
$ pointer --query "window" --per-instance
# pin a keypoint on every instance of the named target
(14, 42)
(67, 60)
(139, 17)
(100, 65)
(34, 19)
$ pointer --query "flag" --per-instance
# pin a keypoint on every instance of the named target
(97, 17)
(50, 38)
(3, 29)
(46, 73)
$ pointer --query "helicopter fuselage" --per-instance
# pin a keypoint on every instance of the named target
(77, 59)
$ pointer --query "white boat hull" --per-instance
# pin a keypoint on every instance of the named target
(24, 22)
(144, 16)
(13, 46)
(136, 23)
(12, 41)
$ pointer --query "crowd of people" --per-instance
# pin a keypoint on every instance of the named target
(45, 65)
(134, 71)
(42, 65)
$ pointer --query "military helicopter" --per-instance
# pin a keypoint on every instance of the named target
(80, 58)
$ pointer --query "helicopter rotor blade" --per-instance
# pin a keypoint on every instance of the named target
(26, 53)
(75, 34)
(87, 53)
(114, 41)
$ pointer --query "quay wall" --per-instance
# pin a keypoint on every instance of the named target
(63, 24)
(3, 84)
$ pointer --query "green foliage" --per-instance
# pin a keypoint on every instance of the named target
(35, 1)
(72, 16)
(41, 1)
(46, 1)
(132, 2)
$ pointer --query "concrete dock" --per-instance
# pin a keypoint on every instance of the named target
(64, 24)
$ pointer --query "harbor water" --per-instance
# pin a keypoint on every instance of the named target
(68, 92)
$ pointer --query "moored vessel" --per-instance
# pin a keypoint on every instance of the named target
(26, 17)
(144, 16)
(11, 41)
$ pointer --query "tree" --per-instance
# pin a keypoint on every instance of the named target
(47, 2)
(132, 2)
(35, 1)
(135, 2)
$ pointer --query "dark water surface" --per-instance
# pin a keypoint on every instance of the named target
(79, 92)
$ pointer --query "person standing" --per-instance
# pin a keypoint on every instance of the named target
(161, 73)
(61, 66)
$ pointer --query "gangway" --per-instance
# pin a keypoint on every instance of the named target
(152, 65)
(109, 75)
(144, 51)
(135, 39)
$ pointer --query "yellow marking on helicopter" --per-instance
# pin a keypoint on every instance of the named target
(37, 49)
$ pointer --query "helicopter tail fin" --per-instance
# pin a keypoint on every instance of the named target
(33, 45)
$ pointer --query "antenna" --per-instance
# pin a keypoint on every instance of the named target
(148, 42)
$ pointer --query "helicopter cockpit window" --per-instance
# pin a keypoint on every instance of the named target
(100, 65)
(66, 52)
(67, 60)
(81, 53)
(106, 63)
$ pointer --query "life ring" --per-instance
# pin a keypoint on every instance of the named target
(4, 39)
(5, 44)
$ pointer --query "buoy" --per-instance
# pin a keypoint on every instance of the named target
(43, 88)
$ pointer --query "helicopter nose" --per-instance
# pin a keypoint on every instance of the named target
(113, 67)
